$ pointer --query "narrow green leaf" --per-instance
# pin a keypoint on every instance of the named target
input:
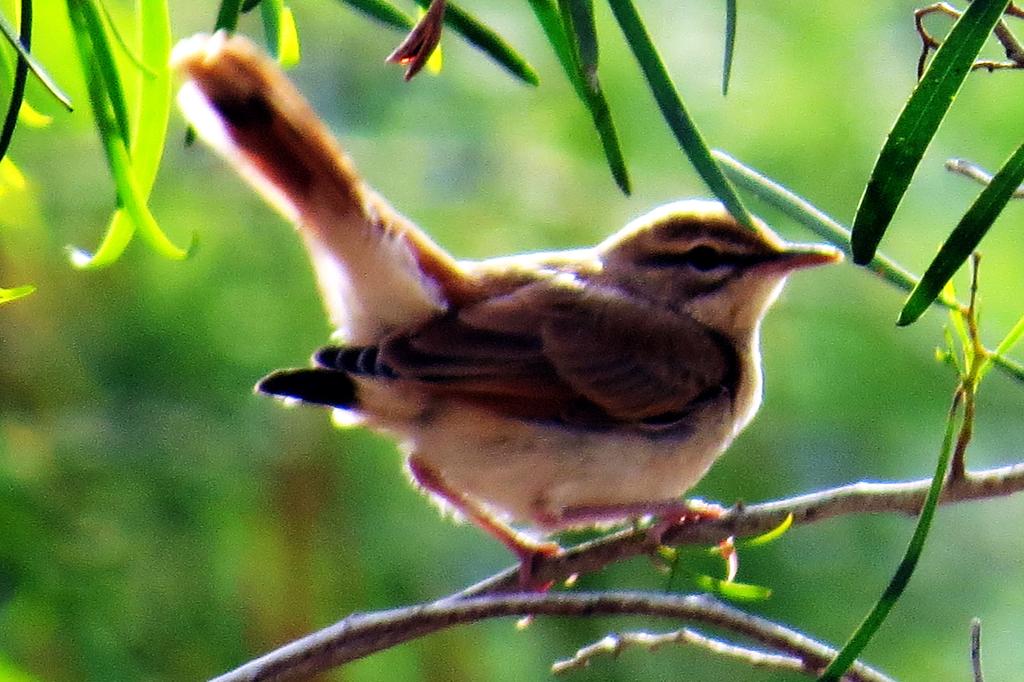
(20, 78)
(227, 15)
(248, 6)
(674, 112)
(732, 590)
(1009, 367)
(555, 30)
(816, 220)
(1012, 338)
(270, 13)
(965, 237)
(578, 20)
(34, 66)
(8, 295)
(462, 23)
(152, 105)
(153, 101)
(487, 40)
(105, 65)
(280, 32)
(290, 50)
(772, 535)
(115, 240)
(917, 124)
(860, 638)
(384, 12)
(133, 57)
(731, 18)
(1005, 346)
(148, 142)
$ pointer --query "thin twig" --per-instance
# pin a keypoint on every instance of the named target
(977, 173)
(614, 644)
(362, 634)
(1011, 46)
(975, 355)
(976, 650)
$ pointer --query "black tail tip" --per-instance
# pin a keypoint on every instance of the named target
(315, 386)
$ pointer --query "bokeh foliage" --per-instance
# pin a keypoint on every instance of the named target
(161, 522)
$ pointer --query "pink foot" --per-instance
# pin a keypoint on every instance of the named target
(688, 511)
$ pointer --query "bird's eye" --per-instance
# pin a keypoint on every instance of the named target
(703, 258)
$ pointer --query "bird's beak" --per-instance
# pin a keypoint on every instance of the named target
(799, 256)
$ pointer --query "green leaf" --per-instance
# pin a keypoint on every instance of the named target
(227, 15)
(1005, 346)
(105, 65)
(1011, 338)
(674, 112)
(486, 40)
(730, 43)
(152, 105)
(34, 66)
(248, 6)
(384, 12)
(816, 220)
(592, 97)
(134, 58)
(133, 174)
(462, 23)
(917, 124)
(281, 34)
(772, 535)
(860, 638)
(578, 20)
(805, 213)
(20, 78)
(732, 590)
(965, 237)
(8, 295)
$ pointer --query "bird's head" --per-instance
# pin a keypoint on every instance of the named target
(693, 257)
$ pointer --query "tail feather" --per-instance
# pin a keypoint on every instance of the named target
(377, 270)
(328, 387)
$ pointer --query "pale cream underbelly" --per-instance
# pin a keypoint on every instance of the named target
(535, 472)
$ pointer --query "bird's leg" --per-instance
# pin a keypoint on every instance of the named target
(667, 512)
(527, 549)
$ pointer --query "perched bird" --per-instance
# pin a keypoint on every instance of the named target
(552, 389)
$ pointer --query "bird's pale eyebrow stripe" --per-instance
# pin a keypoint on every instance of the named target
(696, 232)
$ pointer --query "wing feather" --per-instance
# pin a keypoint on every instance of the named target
(566, 351)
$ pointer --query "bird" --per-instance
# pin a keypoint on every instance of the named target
(530, 393)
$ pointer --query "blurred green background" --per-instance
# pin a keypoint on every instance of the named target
(159, 521)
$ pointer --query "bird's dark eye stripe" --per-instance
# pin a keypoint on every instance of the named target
(705, 260)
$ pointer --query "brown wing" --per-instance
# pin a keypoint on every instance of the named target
(572, 353)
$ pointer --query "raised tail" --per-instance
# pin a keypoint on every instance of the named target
(377, 271)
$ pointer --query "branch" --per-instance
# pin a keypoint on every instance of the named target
(976, 173)
(1011, 46)
(976, 650)
(749, 520)
(615, 644)
(362, 634)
